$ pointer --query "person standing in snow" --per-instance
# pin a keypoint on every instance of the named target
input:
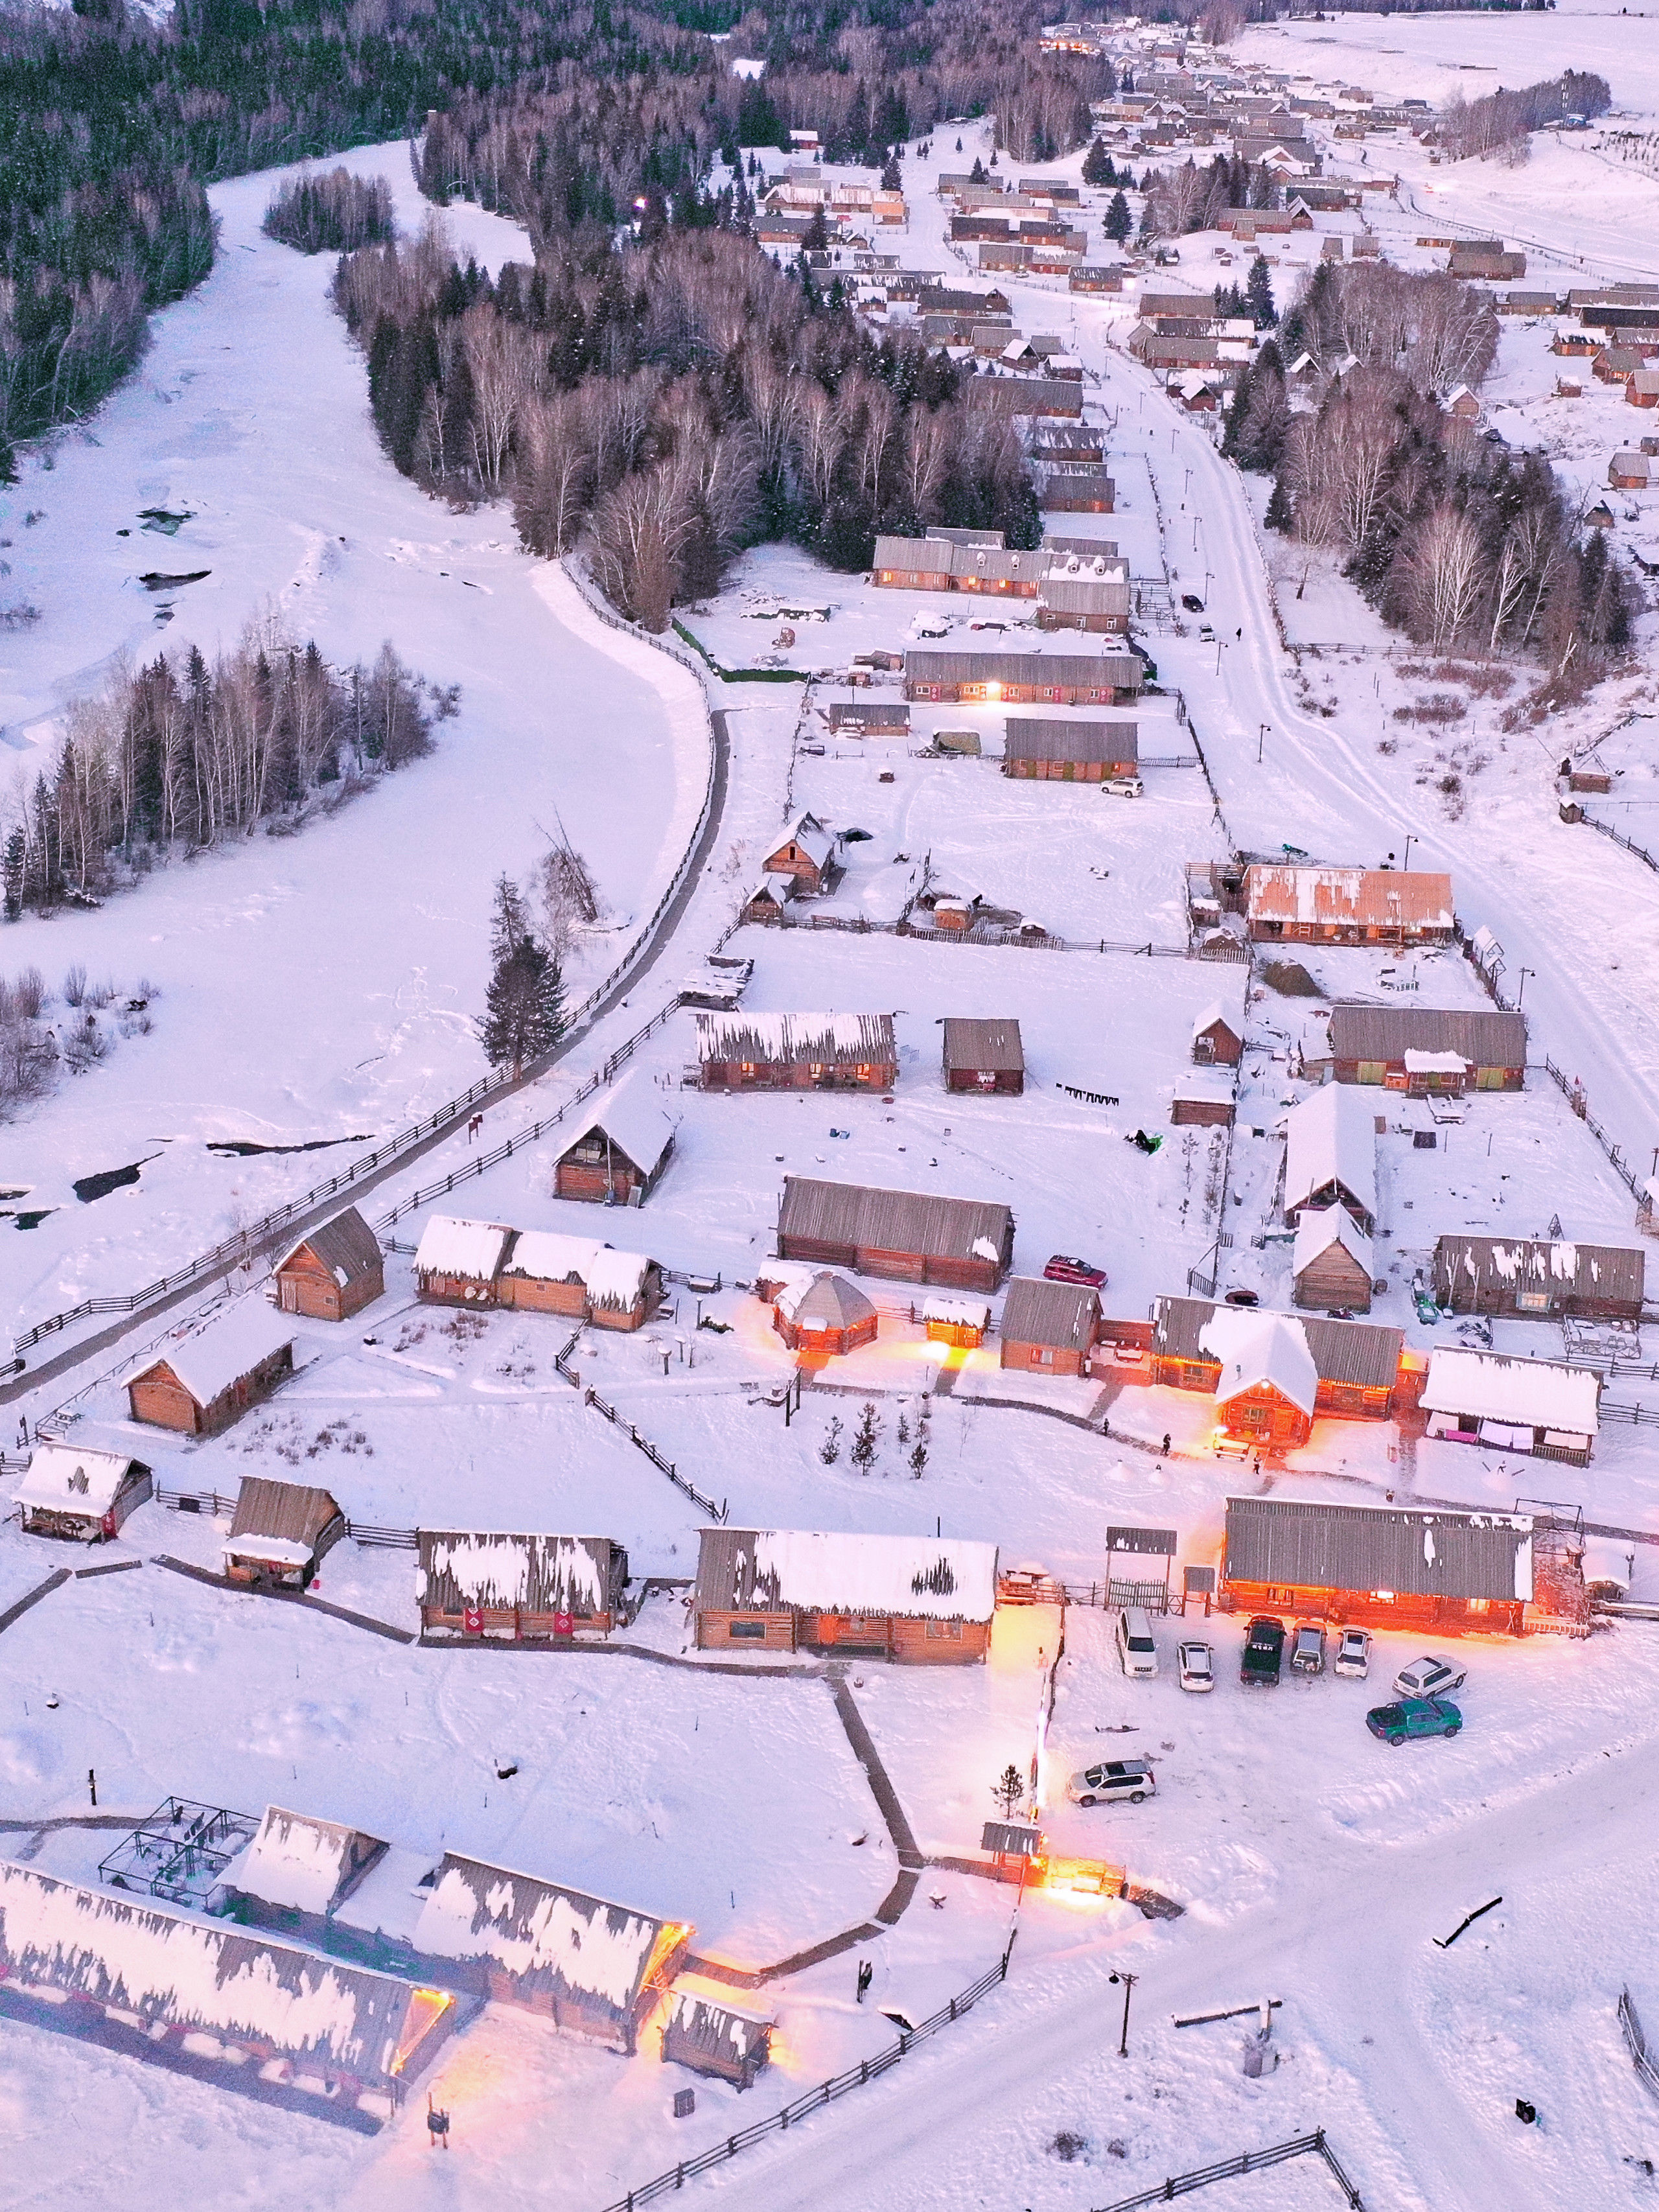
(437, 2126)
(867, 1975)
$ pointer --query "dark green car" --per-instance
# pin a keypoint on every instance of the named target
(1414, 1716)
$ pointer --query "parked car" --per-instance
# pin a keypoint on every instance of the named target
(1264, 1651)
(1135, 1647)
(1192, 603)
(1116, 1777)
(1308, 1648)
(1413, 1716)
(1429, 1678)
(1125, 787)
(1197, 1665)
(1065, 1267)
(1353, 1653)
(1207, 633)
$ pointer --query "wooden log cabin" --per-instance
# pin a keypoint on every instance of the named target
(1332, 1263)
(1218, 1041)
(709, 2038)
(770, 899)
(68, 1490)
(1267, 1386)
(807, 852)
(1439, 1571)
(1547, 1408)
(1426, 1051)
(1053, 751)
(299, 1871)
(823, 1313)
(744, 1051)
(596, 1970)
(1357, 1363)
(333, 1272)
(1049, 1328)
(280, 1534)
(921, 1599)
(1285, 902)
(1536, 1278)
(618, 1153)
(518, 1589)
(1112, 677)
(208, 1377)
(1079, 490)
(960, 1323)
(900, 1235)
(547, 1272)
(984, 1056)
(457, 1262)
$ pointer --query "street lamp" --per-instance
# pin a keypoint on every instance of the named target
(1406, 862)
(1128, 1981)
(1260, 741)
(1521, 992)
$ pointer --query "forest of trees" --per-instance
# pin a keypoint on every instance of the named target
(686, 397)
(1501, 122)
(1189, 197)
(335, 213)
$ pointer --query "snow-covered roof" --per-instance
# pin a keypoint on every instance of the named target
(830, 1040)
(636, 1120)
(1376, 898)
(1434, 1063)
(283, 1522)
(535, 1573)
(305, 1864)
(209, 1359)
(67, 1479)
(346, 1246)
(1539, 1394)
(961, 1313)
(549, 1939)
(824, 1301)
(471, 1250)
(764, 1569)
(1331, 1145)
(275, 1551)
(777, 888)
(1319, 1229)
(1214, 1013)
(611, 1277)
(810, 836)
(1255, 1348)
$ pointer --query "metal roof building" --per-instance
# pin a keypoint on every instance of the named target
(958, 1243)
(1407, 1552)
(1534, 1277)
(1367, 1043)
(1112, 745)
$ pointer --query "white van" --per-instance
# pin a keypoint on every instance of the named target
(1135, 1647)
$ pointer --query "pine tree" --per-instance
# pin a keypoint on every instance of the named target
(830, 1449)
(1236, 412)
(524, 1015)
(1259, 295)
(510, 924)
(1008, 1789)
(865, 1442)
(15, 848)
(1280, 514)
(919, 1458)
(1119, 221)
(1097, 165)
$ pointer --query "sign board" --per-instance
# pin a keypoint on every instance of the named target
(563, 1624)
(1200, 1581)
(1011, 1839)
(1153, 1543)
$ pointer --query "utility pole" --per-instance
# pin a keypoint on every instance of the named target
(1128, 1981)
(1260, 741)
(1521, 992)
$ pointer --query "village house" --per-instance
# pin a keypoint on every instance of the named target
(518, 1588)
(1485, 261)
(1643, 389)
(918, 1598)
(1330, 1155)
(806, 851)
(1112, 677)
(708, 2038)
(1034, 395)
(161, 1985)
(796, 1052)
(1461, 404)
(618, 1151)
(960, 1323)
(69, 1490)
(596, 1971)
(1069, 444)
(298, 1871)
(1078, 490)
(1628, 471)
(1357, 1363)
(207, 1378)
(1331, 1264)
(1203, 1098)
(1544, 1406)
(1217, 1042)
(547, 1272)
(1096, 277)
(770, 899)
(1617, 364)
(1074, 600)
(1426, 1050)
(1050, 1328)
(1267, 1386)
(1307, 905)
(1054, 750)
(869, 717)
(901, 1235)
(1532, 1279)
(983, 1056)
(816, 1312)
(333, 1272)
(1441, 1572)
(457, 1262)
(280, 1534)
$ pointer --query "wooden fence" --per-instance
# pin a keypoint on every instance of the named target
(592, 1397)
(1244, 2161)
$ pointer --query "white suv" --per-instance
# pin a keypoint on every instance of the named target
(1116, 1777)
(1135, 1647)
(1429, 1678)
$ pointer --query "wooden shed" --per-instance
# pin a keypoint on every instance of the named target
(806, 851)
(1053, 751)
(69, 1490)
(918, 1598)
(1286, 903)
(1049, 1328)
(457, 1262)
(618, 1153)
(1332, 1263)
(596, 1970)
(208, 1377)
(280, 1534)
(1440, 1571)
(1204, 1099)
(1358, 1362)
(1545, 1406)
(823, 1313)
(983, 1055)
(333, 1272)
(708, 2038)
(517, 1589)
(770, 899)
(1428, 1050)
(1218, 1041)
(546, 1272)
(912, 564)
(299, 1871)
(960, 1323)
(1539, 1279)
(902, 1235)
(746, 1051)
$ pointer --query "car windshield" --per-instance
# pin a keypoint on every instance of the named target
(1142, 1644)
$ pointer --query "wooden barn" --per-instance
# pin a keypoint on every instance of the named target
(597, 1971)
(770, 899)
(616, 1154)
(519, 1588)
(743, 1051)
(298, 1871)
(457, 1262)
(1533, 1278)
(1057, 751)
(1358, 1362)
(1218, 1041)
(912, 564)
(1096, 603)
(333, 1272)
(1204, 1099)
(546, 1272)
(1441, 1572)
(901, 1235)
(1332, 1263)
(959, 1322)
(170, 1986)
(983, 1056)
(1078, 490)
(709, 2038)
(916, 1598)
(1285, 902)
(1428, 1050)
(1049, 1328)
(1330, 1155)
(1268, 1388)
(807, 852)
(1544, 1406)
(1112, 677)
(209, 1378)
(68, 1490)
(823, 1313)
(280, 1534)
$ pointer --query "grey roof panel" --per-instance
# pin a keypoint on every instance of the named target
(1045, 737)
(1361, 1354)
(291, 1511)
(1482, 1035)
(992, 1044)
(1064, 1315)
(863, 1218)
(1415, 1552)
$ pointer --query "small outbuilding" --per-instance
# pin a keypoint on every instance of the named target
(68, 1490)
(546, 1272)
(744, 1051)
(1331, 1267)
(770, 899)
(457, 1262)
(1330, 1155)
(1049, 1328)
(208, 1377)
(706, 2038)
(984, 1056)
(280, 1534)
(333, 1272)
(1203, 1098)
(299, 1871)
(1539, 1279)
(960, 1323)
(1218, 1041)
(823, 1313)
(517, 1589)
(1544, 1406)
(918, 1598)
(618, 1153)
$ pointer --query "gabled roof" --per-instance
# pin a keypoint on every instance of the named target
(1257, 1348)
(1481, 1035)
(471, 1250)
(1331, 1142)
(1588, 1270)
(463, 1567)
(864, 1218)
(969, 1043)
(211, 1359)
(808, 832)
(792, 1570)
(551, 1941)
(346, 1246)
(1065, 1315)
(1318, 1230)
(1406, 1551)
(1051, 738)
(1216, 1014)
(610, 1278)
(274, 1518)
(68, 1479)
(1539, 1394)
(798, 1040)
(824, 1302)
(1381, 898)
(1361, 1352)
(303, 1863)
(634, 1118)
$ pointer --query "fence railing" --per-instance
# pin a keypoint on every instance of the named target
(1637, 2042)
(193, 1501)
(814, 2101)
(1619, 838)
(644, 1444)
(1245, 2161)
(383, 1539)
(1574, 1095)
